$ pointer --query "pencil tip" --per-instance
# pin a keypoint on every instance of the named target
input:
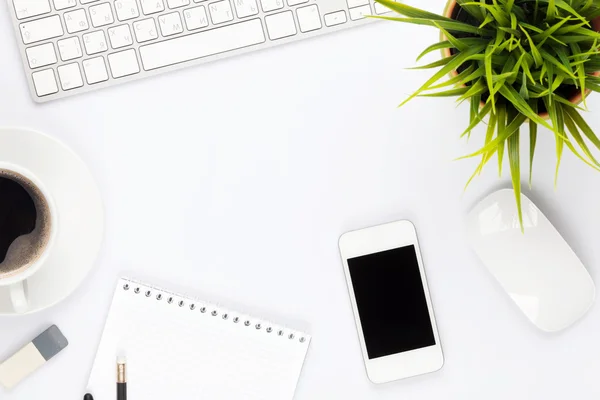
(88, 397)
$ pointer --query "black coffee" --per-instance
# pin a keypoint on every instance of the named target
(25, 223)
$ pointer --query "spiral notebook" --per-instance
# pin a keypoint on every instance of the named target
(179, 347)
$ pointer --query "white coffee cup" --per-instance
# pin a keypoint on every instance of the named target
(17, 282)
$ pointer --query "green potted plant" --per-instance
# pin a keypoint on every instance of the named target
(517, 62)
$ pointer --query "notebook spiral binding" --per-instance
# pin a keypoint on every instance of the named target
(214, 312)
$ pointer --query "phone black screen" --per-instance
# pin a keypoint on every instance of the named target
(391, 302)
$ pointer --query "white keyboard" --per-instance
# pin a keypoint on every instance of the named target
(74, 46)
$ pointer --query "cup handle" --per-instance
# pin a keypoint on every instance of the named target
(18, 297)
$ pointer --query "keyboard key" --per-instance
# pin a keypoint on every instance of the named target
(64, 4)
(76, 21)
(120, 36)
(170, 24)
(220, 12)
(202, 44)
(126, 9)
(280, 25)
(335, 18)
(270, 5)
(41, 29)
(44, 82)
(152, 6)
(101, 15)
(296, 2)
(245, 8)
(195, 18)
(40, 56)
(356, 3)
(31, 8)
(380, 9)
(95, 70)
(145, 30)
(360, 12)
(87, 1)
(309, 18)
(178, 3)
(69, 49)
(123, 64)
(70, 76)
(95, 42)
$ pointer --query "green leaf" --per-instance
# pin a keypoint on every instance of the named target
(500, 38)
(565, 6)
(436, 46)
(515, 170)
(474, 11)
(564, 58)
(451, 66)
(585, 128)
(490, 134)
(487, 20)
(574, 151)
(480, 116)
(503, 77)
(519, 11)
(555, 112)
(534, 50)
(511, 95)
(435, 64)
(501, 128)
(511, 31)
(541, 38)
(580, 71)
(548, 57)
(580, 31)
(524, 92)
(566, 102)
(489, 73)
(568, 39)
(474, 108)
(577, 136)
(550, 70)
(509, 5)
(478, 88)
(455, 42)
(486, 157)
(593, 13)
(570, 28)
(551, 10)
(468, 42)
(498, 14)
(593, 87)
(458, 79)
(531, 27)
(525, 67)
(447, 93)
(452, 26)
(532, 140)
(493, 145)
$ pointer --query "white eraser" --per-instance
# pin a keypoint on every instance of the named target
(31, 357)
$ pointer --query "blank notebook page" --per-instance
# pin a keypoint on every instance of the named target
(182, 348)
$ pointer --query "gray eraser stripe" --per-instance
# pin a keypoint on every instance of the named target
(50, 342)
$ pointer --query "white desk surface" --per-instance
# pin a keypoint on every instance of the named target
(235, 179)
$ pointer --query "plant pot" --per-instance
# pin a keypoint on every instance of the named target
(451, 11)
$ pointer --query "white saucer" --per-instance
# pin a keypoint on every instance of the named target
(80, 213)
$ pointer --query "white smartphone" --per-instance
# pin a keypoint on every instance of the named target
(391, 302)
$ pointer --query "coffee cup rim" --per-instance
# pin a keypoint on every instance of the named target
(36, 265)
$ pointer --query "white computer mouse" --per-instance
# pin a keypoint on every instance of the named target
(537, 268)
